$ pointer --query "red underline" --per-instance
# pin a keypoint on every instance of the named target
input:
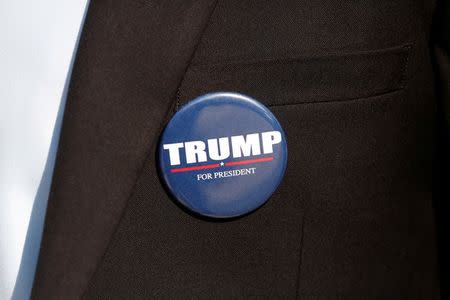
(231, 163)
(248, 161)
(211, 166)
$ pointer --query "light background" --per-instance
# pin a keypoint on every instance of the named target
(37, 40)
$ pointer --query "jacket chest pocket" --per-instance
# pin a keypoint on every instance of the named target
(277, 82)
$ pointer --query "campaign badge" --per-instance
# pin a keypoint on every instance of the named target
(222, 155)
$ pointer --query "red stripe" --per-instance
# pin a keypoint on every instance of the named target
(194, 168)
(248, 161)
(231, 163)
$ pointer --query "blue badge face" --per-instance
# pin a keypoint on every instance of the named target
(222, 155)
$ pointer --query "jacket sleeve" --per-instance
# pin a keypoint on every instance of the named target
(441, 50)
(441, 44)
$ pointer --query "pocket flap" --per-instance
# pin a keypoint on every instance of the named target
(302, 80)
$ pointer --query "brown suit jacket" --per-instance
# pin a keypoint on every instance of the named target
(361, 90)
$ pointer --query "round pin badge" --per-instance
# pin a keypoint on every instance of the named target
(222, 155)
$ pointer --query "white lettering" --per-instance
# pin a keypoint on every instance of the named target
(269, 139)
(245, 147)
(174, 152)
(213, 148)
(219, 149)
(195, 152)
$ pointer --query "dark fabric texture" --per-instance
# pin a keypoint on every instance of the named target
(359, 88)
(441, 47)
(303, 80)
(131, 58)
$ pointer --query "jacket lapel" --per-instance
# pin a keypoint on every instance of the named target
(131, 59)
